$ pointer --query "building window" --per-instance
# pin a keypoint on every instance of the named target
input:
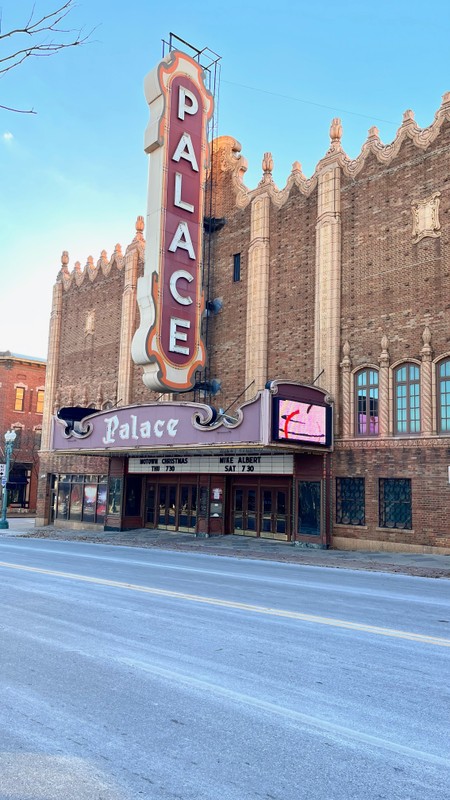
(81, 498)
(236, 267)
(350, 501)
(367, 402)
(407, 399)
(443, 394)
(395, 503)
(19, 401)
(18, 439)
(40, 401)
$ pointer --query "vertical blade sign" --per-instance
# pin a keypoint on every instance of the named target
(168, 341)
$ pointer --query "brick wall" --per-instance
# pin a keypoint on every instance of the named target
(390, 284)
(425, 466)
(16, 371)
(292, 288)
(88, 362)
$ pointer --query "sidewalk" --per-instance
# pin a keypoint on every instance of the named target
(429, 566)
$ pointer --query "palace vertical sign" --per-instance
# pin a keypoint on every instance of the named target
(168, 341)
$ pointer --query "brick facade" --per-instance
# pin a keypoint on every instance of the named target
(27, 374)
(346, 271)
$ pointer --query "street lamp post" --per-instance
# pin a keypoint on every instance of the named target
(10, 437)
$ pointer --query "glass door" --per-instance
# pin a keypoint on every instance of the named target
(244, 512)
(274, 513)
(167, 505)
(187, 519)
(309, 508)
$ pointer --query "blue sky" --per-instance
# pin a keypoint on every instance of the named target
(73, 177)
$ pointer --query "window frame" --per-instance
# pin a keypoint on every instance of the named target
(444, 363)
(382, 504)
(18, 389)
(341, 481)
(40, 396)
(369, 386)
(408, 383)
(236, 267)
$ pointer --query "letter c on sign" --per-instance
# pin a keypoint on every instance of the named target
(159, 428)
(174, 278)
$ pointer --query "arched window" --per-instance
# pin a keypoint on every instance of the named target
(407, 399)
(443, 396)
(366, 407)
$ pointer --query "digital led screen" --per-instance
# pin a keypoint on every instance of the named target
(301, 422)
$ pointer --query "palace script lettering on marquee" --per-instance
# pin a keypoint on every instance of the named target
(132, 430)
(168, 342)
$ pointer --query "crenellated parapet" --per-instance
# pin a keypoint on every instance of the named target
(228, 153)
(103, 267)
(230, 159)
(409, 129)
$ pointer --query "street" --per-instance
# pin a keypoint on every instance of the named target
(143, 673)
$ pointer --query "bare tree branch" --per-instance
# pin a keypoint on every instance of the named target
(42, 43)
(18, 110)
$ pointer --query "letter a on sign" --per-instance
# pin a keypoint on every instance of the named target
(168, 343)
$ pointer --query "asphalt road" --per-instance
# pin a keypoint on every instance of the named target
(130, 673)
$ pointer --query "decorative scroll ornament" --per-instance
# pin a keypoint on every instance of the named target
(426, 218)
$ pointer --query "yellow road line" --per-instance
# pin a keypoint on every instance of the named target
(213, 601)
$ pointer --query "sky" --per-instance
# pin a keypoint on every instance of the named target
(73, 176)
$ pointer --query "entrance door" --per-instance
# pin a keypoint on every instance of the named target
(274, 513)
(244, 517)
(309, 516)
(176, 506)
(167, 506)
(187, 507)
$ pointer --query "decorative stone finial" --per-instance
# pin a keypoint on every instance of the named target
(296, 166)
(267, 164)
(346, 363)
(64, 258)
(118, 250)
(103, 256)
(445, 98)
(336, 131)
(408, 115)
(77, 266)
(426, 351)
(426, 335)
(139, 224)
(90, 262)
(374, 133)
(384, 356)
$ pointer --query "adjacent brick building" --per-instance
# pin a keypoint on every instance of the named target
(341, 282)
(22, 382)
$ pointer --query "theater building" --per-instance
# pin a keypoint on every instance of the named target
(296, 388)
